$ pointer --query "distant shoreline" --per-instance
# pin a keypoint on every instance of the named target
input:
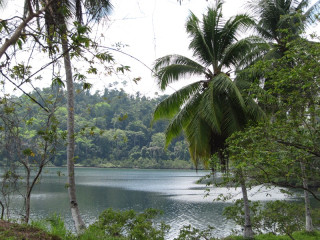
(65, 166)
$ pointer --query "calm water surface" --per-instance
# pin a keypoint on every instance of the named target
(173, 191)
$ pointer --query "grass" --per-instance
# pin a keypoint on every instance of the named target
(35, 231)
(302, 235)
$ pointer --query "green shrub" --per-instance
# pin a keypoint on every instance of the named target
(57, 226)
(303, 235)
(190, 233)
(283, 217)
(130, 224)
(95, 233)
(40, 224)
(236, 213)
(276, 217)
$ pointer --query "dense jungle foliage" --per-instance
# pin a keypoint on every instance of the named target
(113, 129)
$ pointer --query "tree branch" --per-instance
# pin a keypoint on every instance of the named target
(279, 184)
(299, 146)
(15, 36)
(34, 100)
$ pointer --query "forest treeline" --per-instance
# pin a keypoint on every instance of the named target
(113, 129)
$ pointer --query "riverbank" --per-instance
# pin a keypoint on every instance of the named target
(14, 231)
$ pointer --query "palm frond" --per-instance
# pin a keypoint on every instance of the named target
(202, 49)
(277, 15)
(198, 135)
(234, 53)
(265, 32)
(254, 111)
(311, 13)
(269, 12)
(223, 85)
(182, 118)
(212, 23)
(232, 106)
(300, 5)
(231, 31)
(97, 9)
(210, 110)
(174, 59)
(258, 49)
(172, 104)
(93, 9)
(173, 67)
(234, 118)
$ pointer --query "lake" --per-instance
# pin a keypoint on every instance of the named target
(173, 191)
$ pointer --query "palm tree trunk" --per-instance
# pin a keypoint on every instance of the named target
(248, 232)
(309, 225)
(79, 224)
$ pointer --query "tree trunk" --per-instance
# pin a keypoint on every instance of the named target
(2, 210)
(290, 236)
(248, 232)
(27, 197)
(31, 186)
(27, 203)
(79, 224)
(309, 225)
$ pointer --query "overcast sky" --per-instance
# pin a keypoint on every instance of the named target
(151, 29)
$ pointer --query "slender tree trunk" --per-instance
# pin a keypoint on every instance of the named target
(30, 187)
(27, 203)
(309, 225)
(248, 232)
(79, 224)
(290, 236)
(27, 196)
(2, 210)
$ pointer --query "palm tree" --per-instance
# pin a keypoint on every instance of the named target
(209, 110)
(56, 16)
(281, 21)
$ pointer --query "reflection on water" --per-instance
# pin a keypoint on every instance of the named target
(173, 191)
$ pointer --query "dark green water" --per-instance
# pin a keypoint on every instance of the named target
(173, 191)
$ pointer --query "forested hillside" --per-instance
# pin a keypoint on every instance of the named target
(113, 129)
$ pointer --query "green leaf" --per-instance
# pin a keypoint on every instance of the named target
(19, 42)
(28, 152)
(86, 86)
(92, 70)
(58, 82)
